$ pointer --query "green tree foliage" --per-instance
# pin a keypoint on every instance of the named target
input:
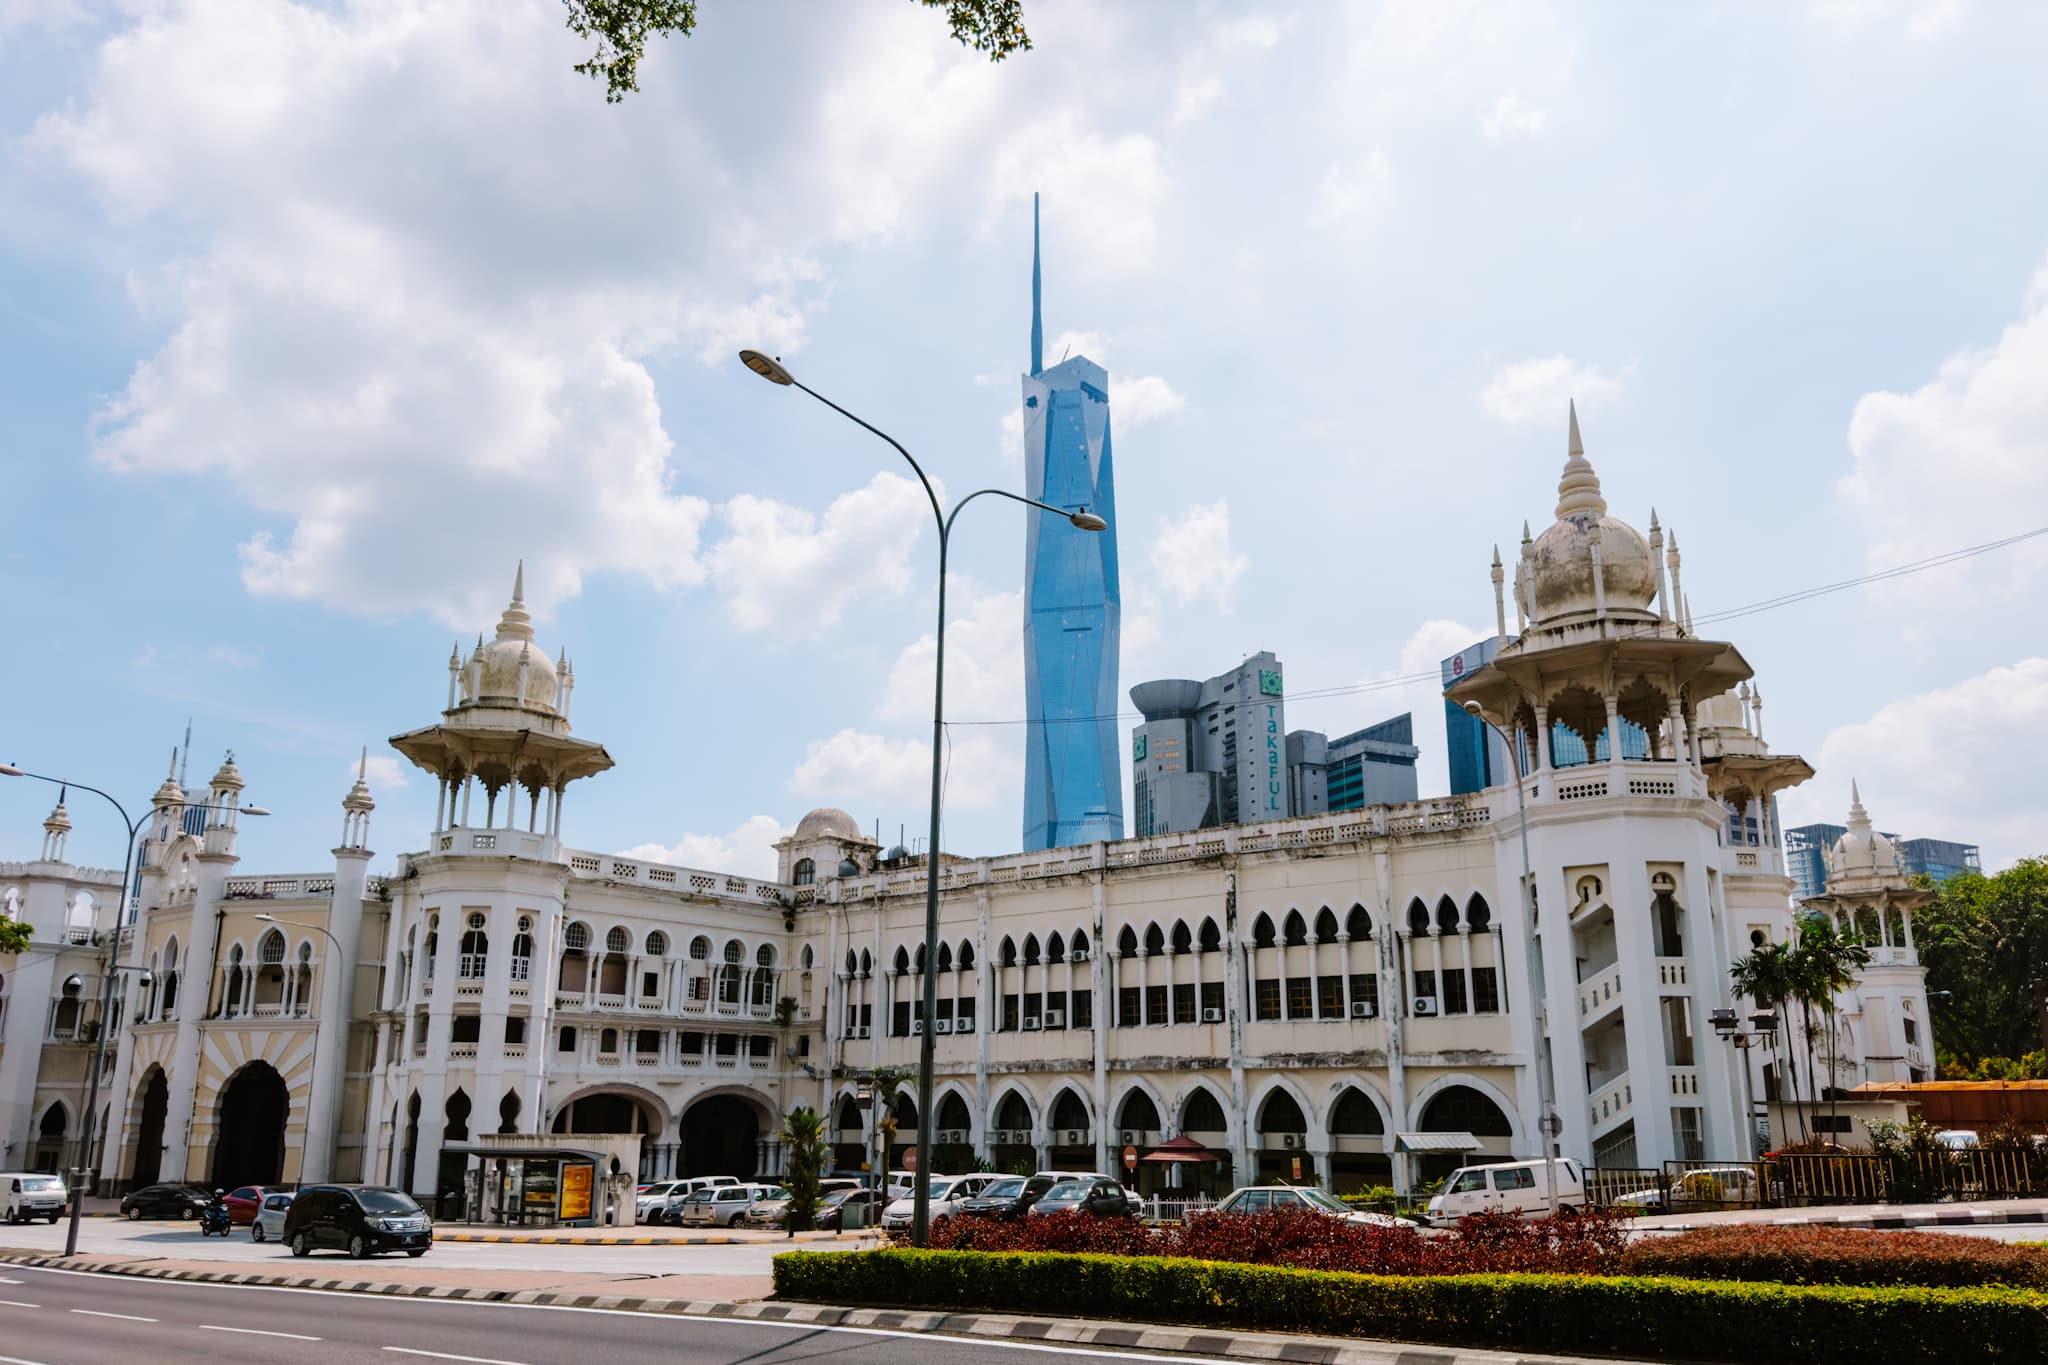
(1812, 975)
(620, 30)
(14, 935)
(803, 1139)
(1984, 941)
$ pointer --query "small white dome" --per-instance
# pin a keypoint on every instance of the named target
(1862, 852)
(1563, 555)
(510, 650)
(827, 822)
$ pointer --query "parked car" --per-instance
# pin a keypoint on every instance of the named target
(165, 1201)
(268, 1225)
(1518, 1187)
(650, 1202)
(832, 1208)
(359, 1219)
(948, 1193)
(722, 1205)
(1958, 1139)
(1098, 1195)
(30, 1195)
(243, 1202)
(1700, 1185)
(1272, 1198)
(683, 1189)
(1013, 1197)
(833, 1184)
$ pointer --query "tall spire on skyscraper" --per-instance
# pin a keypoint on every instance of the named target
(1037, 322)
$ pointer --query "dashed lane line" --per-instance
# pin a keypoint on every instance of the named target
(17, 1303)
(96, 1313)
(257, 1332)
(443, 1355)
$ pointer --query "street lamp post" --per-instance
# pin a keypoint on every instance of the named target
(1546, 1098)
(99, 1051)
(772, 370)
(1763, 1032)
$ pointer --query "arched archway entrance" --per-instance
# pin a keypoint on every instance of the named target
(50, 1153)
(249, 1149)
(149, 1129)
(617, 1111)
(721, 1136)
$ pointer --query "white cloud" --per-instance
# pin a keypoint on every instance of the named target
(1958, 461)
(1509, 117)
(1143, 399)
(1534, 392)
(234, 658)
(1202, 82)
(1352, 190)
(1960, 762)
(866, 771)
(1094, 345)
(1104, 188)
(748, 850)
(791, 570)
(1192, 557)
(1422, 657)
(382, 772)
(984, 666)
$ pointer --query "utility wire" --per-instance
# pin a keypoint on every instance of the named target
(1729, 614)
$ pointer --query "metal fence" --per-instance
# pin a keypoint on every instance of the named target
(1797, 1179)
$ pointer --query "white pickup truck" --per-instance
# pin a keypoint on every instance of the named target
(25, 1197)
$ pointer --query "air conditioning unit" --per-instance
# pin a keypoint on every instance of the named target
(1362, 1009)
(950, 1135)
(1078, 955)
(964, 1025)
(943, 1026)
(1290, 1140)
(1073, 1137)
(1212, 1016)
(1422, 1005)
(860, 1030)
(1055, 1018)
(1127, 1136)
(1030, 1022)
(916, 1027)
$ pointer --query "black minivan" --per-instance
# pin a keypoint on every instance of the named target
(359, 1219)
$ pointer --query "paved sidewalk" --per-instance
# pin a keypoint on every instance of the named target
(1885, 1217)
(647, 1296)
(647, 1236)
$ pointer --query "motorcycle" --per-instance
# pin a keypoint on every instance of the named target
(214, 1218)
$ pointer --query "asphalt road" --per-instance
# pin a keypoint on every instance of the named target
(52, 1317)
(181, 1241)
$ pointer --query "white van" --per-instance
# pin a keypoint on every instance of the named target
(680, 1190)
(25, 1196)
(1518, 1187)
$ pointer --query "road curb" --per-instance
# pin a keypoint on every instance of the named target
(608, 1240)
(1064, 1331)
(1922, 1217)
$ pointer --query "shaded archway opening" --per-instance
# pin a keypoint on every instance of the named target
(249, 1146)
(449, 1179)
(1282, 1142)
(721, 1136)
(149, 1129)
(1358, 1144)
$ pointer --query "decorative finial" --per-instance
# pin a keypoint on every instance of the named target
(519, 583)
(1653, 519)
(1578, 491)
(363, 764)
(1577, 447)
(1037, 325)
(1525, 530)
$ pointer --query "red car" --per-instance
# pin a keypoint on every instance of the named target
(244, 1203)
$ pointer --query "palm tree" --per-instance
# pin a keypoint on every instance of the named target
(1768, 975)
(1828, 962)
(803, 1138)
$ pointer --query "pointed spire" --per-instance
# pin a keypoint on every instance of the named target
(1578, 491)
(519, 584)
(515, 624)
(1859, 818)
(1037, 317)
(171, 775)
(1525, 530)
(363, 764)
(1653, 521)
(1577, 447)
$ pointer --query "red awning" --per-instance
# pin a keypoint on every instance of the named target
(1181, 1149)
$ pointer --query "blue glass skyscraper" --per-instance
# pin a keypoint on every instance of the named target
(1073, 789)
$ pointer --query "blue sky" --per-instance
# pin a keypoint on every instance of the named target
(315, 319)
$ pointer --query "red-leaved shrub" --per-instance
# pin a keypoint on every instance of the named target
(1825, 1255)
(1486, 1243)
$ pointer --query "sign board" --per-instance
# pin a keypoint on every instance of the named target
(577, 1178)
(1130, 1158)
(1297, 1168)
(910, 1158)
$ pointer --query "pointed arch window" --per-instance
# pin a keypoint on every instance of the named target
(522, 950)
(476, 948)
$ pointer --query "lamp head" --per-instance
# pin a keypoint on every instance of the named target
(1088, 521)
(9, 770)
(767, 367)
(266, 918)
(1471, 707)
(255, 810)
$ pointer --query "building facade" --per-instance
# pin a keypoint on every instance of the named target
(1477, 755)
(1355, 997)
(1807, 848)
(1072, 602)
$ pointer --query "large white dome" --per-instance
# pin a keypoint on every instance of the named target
(827, 822)
(1562, 557)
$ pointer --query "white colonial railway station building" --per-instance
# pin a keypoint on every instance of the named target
(1360, 993)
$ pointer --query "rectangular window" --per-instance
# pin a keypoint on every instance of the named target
(1212, 998)
(650, 985)
(1266, 999)
(1010, 1015)
(1329, 997)
(1425, 985)
(696, 991)
(1912, 1032)
(727, 1044)
(692, 1044)
(803, 1045)
(1083, 1015)
(565, 1041)
(944, 1005)
(1127, 1004)
(465, 1028)
(963, 1010)
(515, 1028)
(1184, 1003)
(867, 1016)
(1155, 1005)
(760, 1045)
(1366, 986)
(1454, 1001)
(899, 1020)
(1034, 1006)
(1485, 990)
(1301, 997)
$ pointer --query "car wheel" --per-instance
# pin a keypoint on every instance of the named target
(134, 1213)
(255, 1232)
(188, 1213)
(357, 1247)
(417, 1254)
(53, 1219)
(302, 1245)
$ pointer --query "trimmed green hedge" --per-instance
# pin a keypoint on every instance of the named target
(1642, 1317)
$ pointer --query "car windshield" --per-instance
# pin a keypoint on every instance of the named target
(386, 1201)
(42, 1184)
(836, 1198)
(1064, 1192)
(1326, 1202)
(1004, 1189)
(773, 1192)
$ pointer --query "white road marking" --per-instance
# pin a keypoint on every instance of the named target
(95, 1313)
(256, 1332)
(17, 1303)
(443, 1355)
(17, 1360)
(5, 1280)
